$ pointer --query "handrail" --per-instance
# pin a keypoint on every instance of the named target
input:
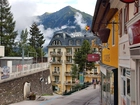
(19, 70)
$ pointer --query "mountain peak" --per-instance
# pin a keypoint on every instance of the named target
(63, 17)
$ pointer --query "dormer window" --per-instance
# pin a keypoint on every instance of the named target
(78, 42)
(70, 42)
(56, 42)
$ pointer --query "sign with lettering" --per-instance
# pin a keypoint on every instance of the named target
(134, 33)
(93, 57)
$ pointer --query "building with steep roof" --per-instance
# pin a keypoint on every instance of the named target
(61, 50)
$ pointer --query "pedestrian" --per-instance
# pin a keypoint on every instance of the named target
(94, 84)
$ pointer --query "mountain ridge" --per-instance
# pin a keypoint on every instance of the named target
(64, 16)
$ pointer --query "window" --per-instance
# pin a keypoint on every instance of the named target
(120, 23)
(70, 42)
(56, 42)
(56, 78)
(54, 69)
(113, 33)
(126, 17)
(58, 69)
(95, 70)
(78, 42)
(128, 86)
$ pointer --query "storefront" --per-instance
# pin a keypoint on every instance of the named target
(109, 84)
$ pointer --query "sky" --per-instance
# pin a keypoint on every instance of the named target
(23, 9)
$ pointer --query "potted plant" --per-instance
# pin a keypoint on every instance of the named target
(32, 96)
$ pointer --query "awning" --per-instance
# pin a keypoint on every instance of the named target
(104, 67)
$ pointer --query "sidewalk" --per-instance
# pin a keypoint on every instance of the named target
(42, 99)
(38, 101)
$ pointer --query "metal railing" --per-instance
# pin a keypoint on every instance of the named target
(22, 70)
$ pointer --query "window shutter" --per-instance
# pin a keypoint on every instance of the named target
(126, 17)
(120, 23)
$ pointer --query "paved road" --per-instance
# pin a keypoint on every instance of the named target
(88, 96)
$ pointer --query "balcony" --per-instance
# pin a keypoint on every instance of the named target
(56, 62)
(56, 53)
(67, 73)
(69, 83)
(56, 82)
(55, 73)
(92, 75)
(68, 54)
(68, 62)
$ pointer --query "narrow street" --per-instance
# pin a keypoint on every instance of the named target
(88, 96)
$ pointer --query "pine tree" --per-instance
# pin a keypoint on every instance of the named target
(22, 44)
(7, 25)
(36, 40)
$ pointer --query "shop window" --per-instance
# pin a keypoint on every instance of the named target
(128, 87)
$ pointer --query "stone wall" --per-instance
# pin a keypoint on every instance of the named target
(12, 91)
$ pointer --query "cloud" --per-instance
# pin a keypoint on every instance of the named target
(79, 21)
(42, 6)
(23, 14)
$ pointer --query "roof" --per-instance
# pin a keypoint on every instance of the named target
(65, 39)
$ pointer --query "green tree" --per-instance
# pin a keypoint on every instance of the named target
(75, 71)
(80, 57)
(7, 25)
(23, 45)
(36, 40)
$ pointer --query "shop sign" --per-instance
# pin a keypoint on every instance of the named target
(128, 1)
(107, 57)
(134, 33)
(127, 72)
(93, 57)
